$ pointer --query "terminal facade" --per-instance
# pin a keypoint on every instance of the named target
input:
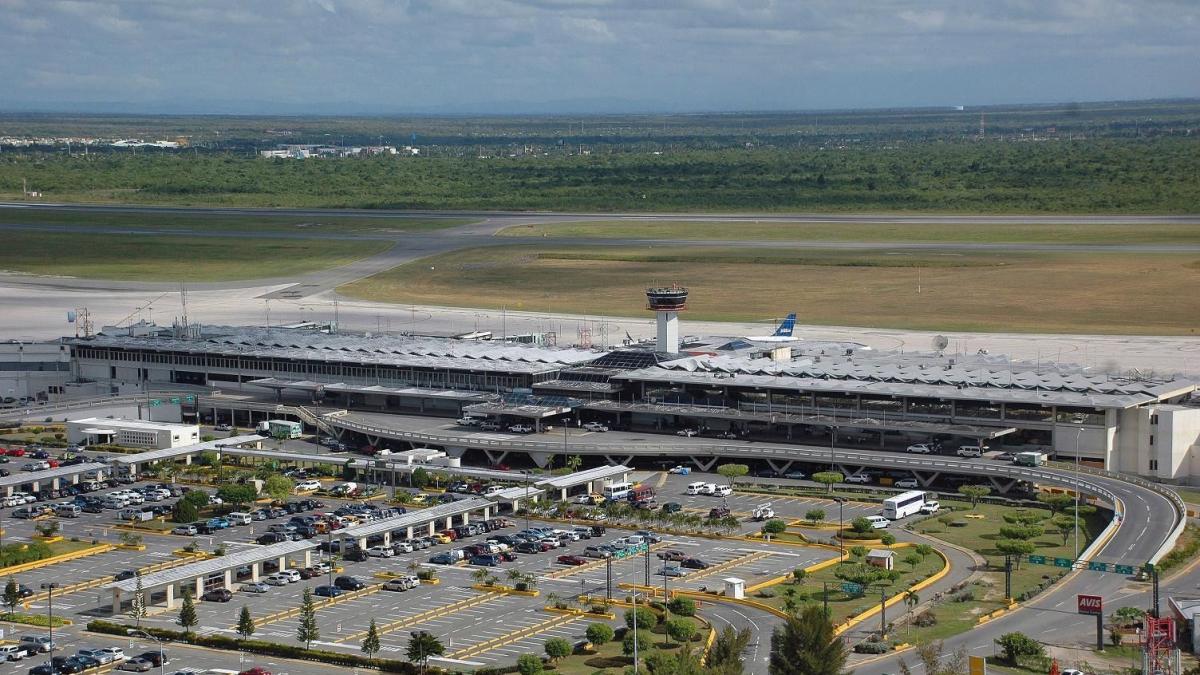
(808, 392)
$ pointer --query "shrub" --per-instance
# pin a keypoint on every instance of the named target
(529, 664)
(682, 606)
(231, 644)
(766, 593)
(872, 647)
(645, 618)
(600, 633)
(925, 619)
(645, 640)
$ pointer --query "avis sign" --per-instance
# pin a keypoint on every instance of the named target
(1089, 604)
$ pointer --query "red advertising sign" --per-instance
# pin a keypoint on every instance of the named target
(1090, 604)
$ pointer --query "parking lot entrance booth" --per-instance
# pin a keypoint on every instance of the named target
(735, 588)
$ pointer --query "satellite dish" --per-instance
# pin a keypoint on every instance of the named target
(940, 342)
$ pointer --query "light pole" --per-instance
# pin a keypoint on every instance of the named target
(162, 661)
(635, 635)
(525, 472)
(49, 588)
(841, 540)
(832, 440)
(1078, 433)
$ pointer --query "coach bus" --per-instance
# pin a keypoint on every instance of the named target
(903, 505)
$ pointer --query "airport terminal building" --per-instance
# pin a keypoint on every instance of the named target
(803, 392)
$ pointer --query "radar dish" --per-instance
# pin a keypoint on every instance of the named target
(940, 342)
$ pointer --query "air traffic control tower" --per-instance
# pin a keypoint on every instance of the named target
(667, 303)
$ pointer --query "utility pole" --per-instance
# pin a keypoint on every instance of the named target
(882, 612)
(608, 582)
(1008, 577)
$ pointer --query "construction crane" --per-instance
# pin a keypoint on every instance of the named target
(143, 308)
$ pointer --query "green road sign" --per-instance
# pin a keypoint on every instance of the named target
(174, 399)
(189, 399)
(1123, 569)
(1098, 566)
(1062, 562)
(852, 588)
(1037, 559)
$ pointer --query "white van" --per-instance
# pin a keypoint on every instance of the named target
(723, 491)
(239, 518)
(695, 488)
(66, 510)
(878, 522)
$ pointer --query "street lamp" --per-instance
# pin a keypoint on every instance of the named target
(841, 540)
(635, 635)
(162, 660)
(1078, 433)
(49, 588)
(832, 440)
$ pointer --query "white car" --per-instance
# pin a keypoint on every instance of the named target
(292, 575)
(688, 433)
(920, 449)
(595, 426)
(521, 429)
(402, 547)
(277, 579)
(255, 587)
(970, 451)
(709, 489)
(308, 485)
(114, 653)
(858, 478)
(930, 508)
(907, 483)
(878, 522)
(186, 530)
(380, 552)
(723, 491)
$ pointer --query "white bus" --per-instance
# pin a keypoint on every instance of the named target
(617, 491)
(903, 505)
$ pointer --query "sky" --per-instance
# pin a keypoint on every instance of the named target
(506, 56)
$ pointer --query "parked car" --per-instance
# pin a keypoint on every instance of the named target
(571, 560)
(380, 552)
(156, 658)
(920, 449)
(349, 584)
(694, 564)
(327, 591)
(930, 507)
(277, 579)
(521, 429)
(687, 433)
(217, 595)
(445, 558)
(485, 560)
(718, 512)
(401, 583)
(970, 451)
(671, 571)
(255, 587)
(595, 426)
(672, 555)
(907, 483)
(12, 652)
(137, 665)
(861, 478)
(36, 644)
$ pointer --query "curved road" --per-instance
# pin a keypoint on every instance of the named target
(1147, 521)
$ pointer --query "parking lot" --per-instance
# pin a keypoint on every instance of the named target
(478, 627)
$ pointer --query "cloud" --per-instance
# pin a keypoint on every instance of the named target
(675, 54)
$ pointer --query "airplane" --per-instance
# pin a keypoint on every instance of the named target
(782, 334)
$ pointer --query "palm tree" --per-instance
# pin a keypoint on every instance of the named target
(515, 575)
(481, 576)
(911, 600)
(552, 599)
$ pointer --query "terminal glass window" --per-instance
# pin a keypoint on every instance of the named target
(838, 401)
(882, 404)
(929, 406)
(1069, 415)
(980, 409)
(1016, 411)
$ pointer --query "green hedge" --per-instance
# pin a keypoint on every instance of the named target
(16, 554)
(265, 648)
(34, 619)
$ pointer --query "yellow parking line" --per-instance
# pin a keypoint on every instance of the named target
(515, 636)
(740, 560)
(599, 562)
(328, 602)
(425, 616)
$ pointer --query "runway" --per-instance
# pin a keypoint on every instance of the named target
(35, 307)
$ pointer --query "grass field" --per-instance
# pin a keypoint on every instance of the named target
(174, 258)
(749, 229)
(218, 222)
(1035, 292)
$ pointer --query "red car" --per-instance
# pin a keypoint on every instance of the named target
(572, 560)
(255, 671)
(672, 555)
(450, 533)
(15, 452)
(53, 463)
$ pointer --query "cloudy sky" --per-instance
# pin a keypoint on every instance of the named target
(603, 55)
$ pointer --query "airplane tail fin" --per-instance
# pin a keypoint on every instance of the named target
(785, 328)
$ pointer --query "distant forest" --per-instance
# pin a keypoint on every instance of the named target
(1141, 157)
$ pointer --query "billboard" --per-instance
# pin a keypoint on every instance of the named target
(1089, 604)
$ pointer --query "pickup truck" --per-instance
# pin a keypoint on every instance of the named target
(521, 429)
